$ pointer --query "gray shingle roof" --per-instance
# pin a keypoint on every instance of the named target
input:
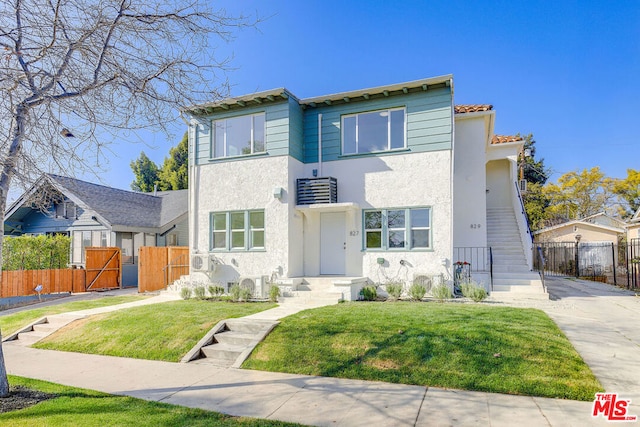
(122, 207)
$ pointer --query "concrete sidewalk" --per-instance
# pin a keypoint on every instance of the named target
(309, 400)
(598, 319)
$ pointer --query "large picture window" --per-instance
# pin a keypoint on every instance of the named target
(373, 131)
(239, 136)
(393, 229)
(237, 230)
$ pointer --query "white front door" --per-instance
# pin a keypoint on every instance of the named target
(332, 243)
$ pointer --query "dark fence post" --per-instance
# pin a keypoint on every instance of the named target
(577, 261)
(613, 254)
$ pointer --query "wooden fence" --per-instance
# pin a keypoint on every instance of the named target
(104, 271)
(23, 282)
(160, 266)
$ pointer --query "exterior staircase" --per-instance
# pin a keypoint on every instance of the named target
(230, 342)
(40, 329)
(512, 278)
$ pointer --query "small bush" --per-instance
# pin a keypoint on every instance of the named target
(441, 292)
(216, 290)
(369, 293)
(274, 293)
(235, 292)
(473, 291)
(199, 292)
(245, 294)
(185, 293)
(394, 289)
(417, 292)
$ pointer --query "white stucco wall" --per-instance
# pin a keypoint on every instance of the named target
(397, 181)
(292, 235)
(245, 185)
(470, 178)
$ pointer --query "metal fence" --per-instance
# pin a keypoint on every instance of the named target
(599, 261)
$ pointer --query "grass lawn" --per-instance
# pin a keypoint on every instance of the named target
(12, 322)
(164, 331)
(79, 407)
(471, 347)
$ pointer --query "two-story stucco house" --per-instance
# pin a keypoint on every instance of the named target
(380, 184)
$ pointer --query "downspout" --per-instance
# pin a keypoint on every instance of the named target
(319, 144)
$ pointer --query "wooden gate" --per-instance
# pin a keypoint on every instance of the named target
(104, 268)
(159, 266)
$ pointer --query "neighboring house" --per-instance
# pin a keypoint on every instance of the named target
(96, 215)
(592, 229)
(633, 227)
(392, 182)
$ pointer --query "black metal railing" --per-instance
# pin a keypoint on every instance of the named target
(598, 261)
(478, 257)
(524, 211)
(311, 191)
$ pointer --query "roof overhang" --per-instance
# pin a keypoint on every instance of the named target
(422, 85)
(578, 222)
(251, 100)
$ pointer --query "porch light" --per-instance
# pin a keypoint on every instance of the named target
(277, 192)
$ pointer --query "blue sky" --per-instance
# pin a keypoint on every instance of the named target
(566, 71)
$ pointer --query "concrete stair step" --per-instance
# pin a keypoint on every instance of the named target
(234, 338)
(246, 326)
(228, 352)
(519, 283)
(510, 268)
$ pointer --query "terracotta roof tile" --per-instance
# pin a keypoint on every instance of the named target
(501, 139)
(472, 108)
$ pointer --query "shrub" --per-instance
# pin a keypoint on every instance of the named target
(199, 292)
(185, 293)
(473, 291)
(394, 289)
(441, 292)
(274, 293)
(245, 294)
(216, 290)
(235, 292)
(369, 293)
(417, 292)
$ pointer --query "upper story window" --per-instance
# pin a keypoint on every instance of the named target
(239, 136)
(373, 131)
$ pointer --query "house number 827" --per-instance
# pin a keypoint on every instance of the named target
(354, 233)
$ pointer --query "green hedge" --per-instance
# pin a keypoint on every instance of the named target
(35, 252)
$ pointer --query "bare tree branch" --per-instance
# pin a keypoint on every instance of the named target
(95, 68)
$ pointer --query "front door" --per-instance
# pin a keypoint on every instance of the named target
(332, 243)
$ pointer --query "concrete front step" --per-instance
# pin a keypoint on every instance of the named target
(229, 342)
(222, 354)
(510, 268)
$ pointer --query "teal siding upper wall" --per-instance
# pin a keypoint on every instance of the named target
(296, 130)
(292, 131)
(429, 123)
(278, 130)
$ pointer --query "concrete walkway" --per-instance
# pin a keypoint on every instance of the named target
(598, 319)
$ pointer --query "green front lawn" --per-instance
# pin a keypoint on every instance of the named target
(12, 322)
(471, 347)
(79, 407)
(164, 331)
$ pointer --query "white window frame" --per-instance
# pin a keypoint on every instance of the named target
(408, 230)
(357, 130)
(247, 231)
(225, 145)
